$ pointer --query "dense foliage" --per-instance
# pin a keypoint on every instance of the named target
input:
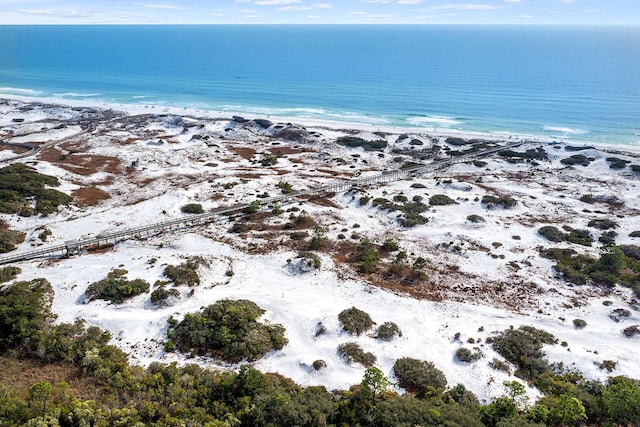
(228, 330)
(419, 376)
(168, 395)
(20, 183)
(353, 353)
(116, 287)
(9, 273)
(523, 348)
(9, 239)
(614, 266)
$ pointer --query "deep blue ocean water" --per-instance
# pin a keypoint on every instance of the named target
(562, 82)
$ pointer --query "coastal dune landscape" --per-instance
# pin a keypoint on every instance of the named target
(383, 234)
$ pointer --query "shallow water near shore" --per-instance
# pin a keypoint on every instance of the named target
(571, 83)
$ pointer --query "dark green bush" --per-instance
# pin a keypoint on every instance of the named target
(162, 295)
(285, 187)
(579, 237)
(506, 202)
(192, 208)
(499, 365)
(364, 200)
(185, 273)
(319, 364)
(635, 233)
(579, 323)
(463, 354)
(419, 376)
(311, 259)
(603, 224)
(441, 200)
(355, 321)
(352, 141)
(116, 288)
(388, 331)
(20, 183)
(608, 237)
(389, 245)
(299, 235)
(577, 159)
(523, 348)
(476, 219)
(551, 233)
(8, 274)
(418, 185)
(229, 330)
(353, 353)
(9, 239)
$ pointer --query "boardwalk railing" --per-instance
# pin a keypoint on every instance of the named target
(74, 247)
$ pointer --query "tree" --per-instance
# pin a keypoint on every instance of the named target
(375, 381)
(41, 392)
(567, 410)
(622, 400)
(517, 393)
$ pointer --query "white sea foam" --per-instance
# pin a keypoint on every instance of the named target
(565, 130)
(19, 91)
(433, 120)
(76, 95)
(138, 97)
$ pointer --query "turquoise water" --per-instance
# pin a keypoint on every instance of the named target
(562, 82)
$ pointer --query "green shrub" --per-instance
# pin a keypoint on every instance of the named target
(587, 198)
(463, 354)
(577, 159)
(285, 187)
(418, 185)
(499, 365)
(239, 227)
(9, 239)
(352, 141)
(185, 273)
(353, 353)
(311, 259)
(388, 331)
(355, 321)
(319, 364)
(364, 200)
(389, 245)
(20, 183)
(268, 159)
(476, 219)
(192, 208)
(580, 237)
(8, 274)
(551, 233)
(229, 330)
(367, 256)
(506, 202)
(523, 347)
(603, 224)
(579, 323)
(441, 200)
(162, 295)
(299, 235)
(419, 376)
(635, 233)
(116, 288)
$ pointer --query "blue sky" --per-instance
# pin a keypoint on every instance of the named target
(320, 12)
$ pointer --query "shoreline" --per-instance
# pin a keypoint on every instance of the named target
(312, 122)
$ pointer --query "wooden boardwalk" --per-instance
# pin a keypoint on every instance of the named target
(76, 247)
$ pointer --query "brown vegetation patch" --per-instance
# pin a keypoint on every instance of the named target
(81, 164)
(249, 176)
(244, 152)
(89, 196)
(20, 374)
(3, 225)
(16, 150)
(324, 201)
(282, 171)
(283, 151)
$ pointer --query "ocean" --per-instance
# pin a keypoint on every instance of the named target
(570, 83)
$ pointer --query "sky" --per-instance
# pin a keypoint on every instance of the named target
(601, 12)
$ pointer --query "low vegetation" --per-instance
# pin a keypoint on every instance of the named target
(463, 354)
(162, 296)
(185, 273)
(352, 142)
(10, 239)
(612, 267)
(8, 274)
(523, 348)
(419, 376)
(103, 389)
(20, 184)
(353, 353)
(441, 200)
(388, 331)
(228, 330)
(192, 208)
(505, 202)
(355, 321)
(116, 287)
(553, 234)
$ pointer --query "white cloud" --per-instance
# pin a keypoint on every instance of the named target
(277, 2)
(60, 13)
(410, 1)
(376, 1)
(289, 8)
(525, 16)
(160, 6)
(322, 6)
(463, 6)
(358, 12)
(512, 1)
